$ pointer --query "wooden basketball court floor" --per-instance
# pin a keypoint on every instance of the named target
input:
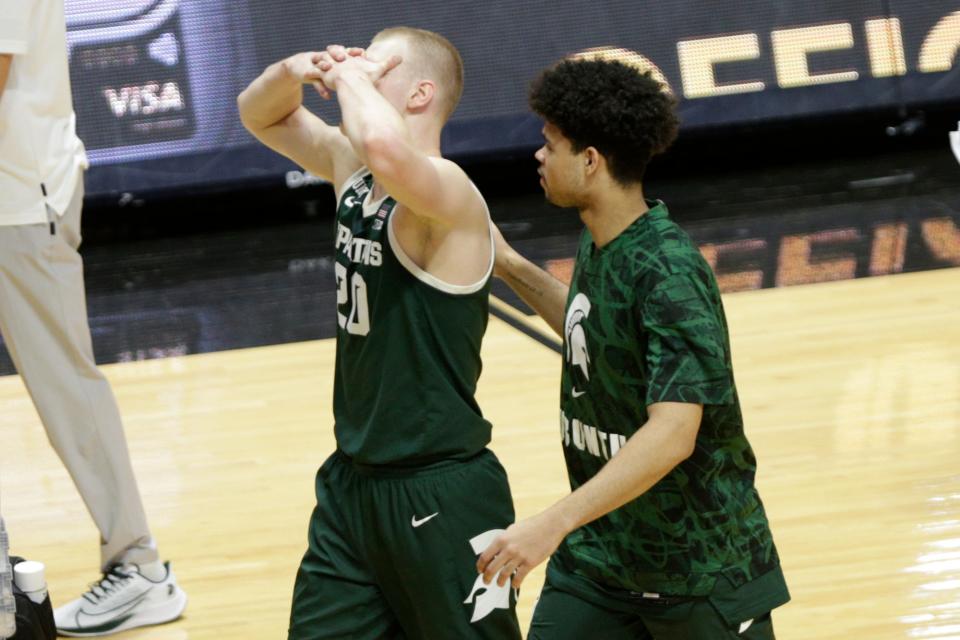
(851, 393)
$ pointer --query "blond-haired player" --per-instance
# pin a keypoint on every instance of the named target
(412, 494)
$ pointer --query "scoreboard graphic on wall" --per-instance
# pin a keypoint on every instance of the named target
(158, 79)
(129, 73)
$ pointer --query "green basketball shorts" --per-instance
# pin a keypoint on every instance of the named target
(392, 554)
(575, 614)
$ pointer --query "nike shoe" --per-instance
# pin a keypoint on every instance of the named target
(123, 599)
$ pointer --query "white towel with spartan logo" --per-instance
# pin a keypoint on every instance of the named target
(487, 597)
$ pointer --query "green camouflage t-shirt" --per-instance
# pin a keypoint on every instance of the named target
(645, 324)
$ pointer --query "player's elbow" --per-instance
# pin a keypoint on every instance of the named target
(685, 438)
(685, 447)
(682, 435)
(679, 424)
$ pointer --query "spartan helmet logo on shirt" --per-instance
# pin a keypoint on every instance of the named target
(576, 340)
(487, 597)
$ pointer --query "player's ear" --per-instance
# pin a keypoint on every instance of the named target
(592, 160)
(422, 95)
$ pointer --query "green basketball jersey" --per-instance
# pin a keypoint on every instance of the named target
(408, 345)
(645, 324)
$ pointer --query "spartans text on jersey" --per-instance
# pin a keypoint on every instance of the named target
(358, 250)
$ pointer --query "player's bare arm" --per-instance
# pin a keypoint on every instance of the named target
(271, 108)
(664, 441)
(545, 294)
(428, 185)
(5, 60)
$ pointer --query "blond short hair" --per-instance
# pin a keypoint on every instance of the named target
(438, 58)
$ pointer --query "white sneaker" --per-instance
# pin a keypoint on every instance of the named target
(124, 598)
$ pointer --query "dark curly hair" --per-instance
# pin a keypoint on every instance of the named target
(622, 112)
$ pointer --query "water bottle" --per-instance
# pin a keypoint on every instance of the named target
(29, 576)
(8, 607)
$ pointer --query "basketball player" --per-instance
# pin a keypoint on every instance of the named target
(664, 535)
(411, 495)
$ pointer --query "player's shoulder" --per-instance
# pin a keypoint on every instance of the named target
(449, 170)
(674, 264)
(668, 250)
(653, 263)
(461, 188)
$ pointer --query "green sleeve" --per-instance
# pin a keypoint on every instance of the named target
(688, 354)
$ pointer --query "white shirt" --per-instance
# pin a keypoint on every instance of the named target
(39, 148)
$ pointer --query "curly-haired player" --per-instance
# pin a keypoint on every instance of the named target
(664, 535)
(623, 114)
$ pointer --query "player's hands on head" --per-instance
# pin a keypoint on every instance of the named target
(339, 53)
(337, 59)
(304, 68)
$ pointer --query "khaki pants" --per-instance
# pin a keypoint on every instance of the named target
(43, 318)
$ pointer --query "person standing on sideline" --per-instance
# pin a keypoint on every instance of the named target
(412, 494)
(43, 318)
(664, 536)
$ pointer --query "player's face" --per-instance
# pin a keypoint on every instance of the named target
(561, 170)
(395, 84)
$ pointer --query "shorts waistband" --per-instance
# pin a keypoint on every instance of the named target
(416, 471)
